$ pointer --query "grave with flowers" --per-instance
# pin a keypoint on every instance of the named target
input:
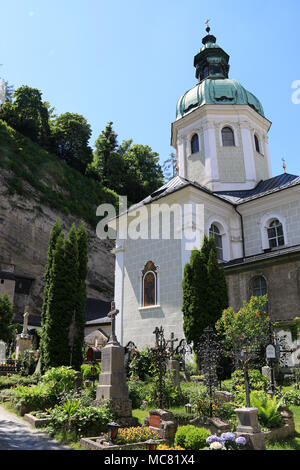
(227, 441)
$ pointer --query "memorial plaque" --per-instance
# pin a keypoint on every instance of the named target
(154, 421)
(270, 352)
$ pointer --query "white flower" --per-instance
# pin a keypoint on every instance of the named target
(216, 446)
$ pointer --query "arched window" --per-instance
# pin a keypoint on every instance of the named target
(215, 233)
(195, 143)
(149, 285)
(256, 142)
(275, 234)
(258, 286)
(228, 137)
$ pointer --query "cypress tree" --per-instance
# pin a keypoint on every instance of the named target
(6, 318)
(204, 291)
(80, 315)
(56, 326)
(194, 288)
(55, 232)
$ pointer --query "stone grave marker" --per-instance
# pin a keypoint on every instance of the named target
(2, 352)
(163, 422)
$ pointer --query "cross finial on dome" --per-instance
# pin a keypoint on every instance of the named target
(283, 165)
(207, 25)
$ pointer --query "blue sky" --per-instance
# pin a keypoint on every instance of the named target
(129, 61)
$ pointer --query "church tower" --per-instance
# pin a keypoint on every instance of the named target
(220, 133)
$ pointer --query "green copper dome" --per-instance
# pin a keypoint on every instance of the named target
(216, 91)
(214, 87)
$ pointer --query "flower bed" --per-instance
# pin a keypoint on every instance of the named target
(128, 438)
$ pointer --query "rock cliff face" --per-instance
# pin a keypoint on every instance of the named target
(25, 226)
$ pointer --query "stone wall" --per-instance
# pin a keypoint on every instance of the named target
(25, 229)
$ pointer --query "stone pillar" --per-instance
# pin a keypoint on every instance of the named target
(174, 367)
(248, 427)
(112, 386)
(23, 343)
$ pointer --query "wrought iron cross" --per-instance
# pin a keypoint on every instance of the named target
(112, 314)
(171, 348)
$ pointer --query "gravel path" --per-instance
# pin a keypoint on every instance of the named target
(17, 434)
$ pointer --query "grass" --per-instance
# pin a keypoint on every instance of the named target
(34, 173)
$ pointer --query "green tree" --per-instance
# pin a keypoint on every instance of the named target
(80, 312)
(245, 333)
(6, 318)
(143, 174)
(106, 147)
(28, 114)
(169, 167)
(205, 292)
(55, 233)
(56, 325)
(70, 139)
(195, 314)
(63, 311)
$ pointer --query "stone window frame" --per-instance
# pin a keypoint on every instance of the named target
(142, 276)
(250, 287)
(224, 232)
(260, 139)
(265, 225)
(234, 133)
(194, 134)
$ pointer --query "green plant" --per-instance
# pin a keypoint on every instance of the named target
(60, 379)
(191, 438)
(181, 434)
(267, 409)
(28, 362)
(91, 371)
(291, 397)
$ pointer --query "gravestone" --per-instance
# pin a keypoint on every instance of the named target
(2, 352)
(112, 386)
(24, 340)
(248, 427)
(163, 422)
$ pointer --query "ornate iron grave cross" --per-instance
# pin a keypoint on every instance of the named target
(182, 350)
(160, 355)
(209, 350)
(171, 349)
(112, 314)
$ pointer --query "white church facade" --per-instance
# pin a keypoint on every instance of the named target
(224, 187)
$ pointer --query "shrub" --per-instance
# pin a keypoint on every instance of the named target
(60, 379)
(291, 397)
(191, 438)
(91, 371)
(28, 362)
(83, 421)
(181, 435)
(35, 397)
(196, 439)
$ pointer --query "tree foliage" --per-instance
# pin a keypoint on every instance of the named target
(70, 140)
(63, 311)
(131, 170)
(28, 114)
(6, 318)
(204, 291)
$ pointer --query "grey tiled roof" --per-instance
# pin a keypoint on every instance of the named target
(263, 188)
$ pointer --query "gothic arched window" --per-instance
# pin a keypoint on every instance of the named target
(256, 141)
(215, 233)
(228, 137)
(275, 234)
(195, 143)
(149, 285)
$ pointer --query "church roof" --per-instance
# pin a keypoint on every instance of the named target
(263, 188)
(218, 91)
